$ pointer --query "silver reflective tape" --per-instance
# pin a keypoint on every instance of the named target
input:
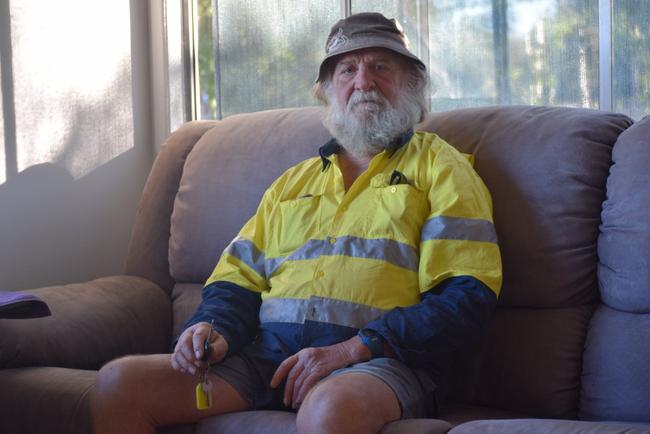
(382, 249)
(245, 251)
(456, 228)
(320, 309)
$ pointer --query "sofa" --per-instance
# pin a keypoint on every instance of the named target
(567, 350)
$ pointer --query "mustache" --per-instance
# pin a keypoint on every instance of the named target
(372, 96)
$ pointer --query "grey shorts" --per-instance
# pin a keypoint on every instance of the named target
(250, 376)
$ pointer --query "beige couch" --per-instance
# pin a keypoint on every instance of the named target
(569, 345)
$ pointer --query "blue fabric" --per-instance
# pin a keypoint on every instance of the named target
(615, 375)
(234, 311)
(426, 334)
(624, 240)
(423, 335)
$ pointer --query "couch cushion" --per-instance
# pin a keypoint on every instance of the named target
(456, 414)
(529, 362)
(185, 299)
(546, 168)
(45, 400)
(624, 242)
(616, 376)
(225, 176)
(538, 426)
(282, 422)
(91, 323)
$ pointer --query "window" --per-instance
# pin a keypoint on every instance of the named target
(631, 62)
(257, 54)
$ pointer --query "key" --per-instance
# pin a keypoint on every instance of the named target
(203, 390)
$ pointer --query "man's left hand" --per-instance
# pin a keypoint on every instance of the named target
(308, 366)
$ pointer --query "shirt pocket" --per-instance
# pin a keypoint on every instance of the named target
(300, 220)
(400, 211)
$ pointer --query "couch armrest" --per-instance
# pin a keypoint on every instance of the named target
(91, 323)
(149, 245)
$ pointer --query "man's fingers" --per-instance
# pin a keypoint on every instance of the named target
(186, 358)
(305, 387)
(283, 370)
(290, 386)
(186, 351)
(218, 348)
(198, 340)
(183, 364)
(298, 385)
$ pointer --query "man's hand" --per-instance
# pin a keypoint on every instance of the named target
(308, 366)
(188, 353)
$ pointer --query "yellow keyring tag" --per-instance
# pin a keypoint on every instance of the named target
(203, 393)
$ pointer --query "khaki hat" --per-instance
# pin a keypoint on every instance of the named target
(366, 30)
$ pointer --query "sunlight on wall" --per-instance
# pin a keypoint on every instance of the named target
(72, 82)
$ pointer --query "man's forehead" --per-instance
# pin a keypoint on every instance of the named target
(366, 54)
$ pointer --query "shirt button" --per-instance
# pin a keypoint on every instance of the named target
(294, 203)
(332, 240)
(320, 274)
(393, 189)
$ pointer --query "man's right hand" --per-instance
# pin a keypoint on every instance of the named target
(188, 353)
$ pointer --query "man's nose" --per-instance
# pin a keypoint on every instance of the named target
(364, 80)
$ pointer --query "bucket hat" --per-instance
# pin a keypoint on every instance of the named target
(365, 30)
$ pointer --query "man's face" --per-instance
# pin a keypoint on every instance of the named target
(369, 103)
(370, 69)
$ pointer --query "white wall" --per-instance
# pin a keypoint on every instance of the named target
(75, 137)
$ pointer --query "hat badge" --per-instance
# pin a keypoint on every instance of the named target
(336, 41)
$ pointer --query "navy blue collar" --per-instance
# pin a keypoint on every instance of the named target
(332, 147)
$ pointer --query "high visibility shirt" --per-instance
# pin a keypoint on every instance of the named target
(324, 262)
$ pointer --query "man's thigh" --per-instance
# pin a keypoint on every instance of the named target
(149, 384)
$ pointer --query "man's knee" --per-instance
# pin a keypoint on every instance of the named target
(114, 381)
(348, 403)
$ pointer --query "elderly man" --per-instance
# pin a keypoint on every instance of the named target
(361, 272)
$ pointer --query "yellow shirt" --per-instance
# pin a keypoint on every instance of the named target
(375, 247)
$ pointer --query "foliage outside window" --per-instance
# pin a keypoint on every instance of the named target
(262, 54)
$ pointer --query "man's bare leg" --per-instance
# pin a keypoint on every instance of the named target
(348, 403)
(137, 394)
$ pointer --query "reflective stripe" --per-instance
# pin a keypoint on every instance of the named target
(245, 251)
(456, 228)
(327, 310)
(382, 249)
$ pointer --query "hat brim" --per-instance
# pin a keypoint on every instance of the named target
(360, 43)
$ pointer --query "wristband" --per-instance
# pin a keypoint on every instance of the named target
(373, 341)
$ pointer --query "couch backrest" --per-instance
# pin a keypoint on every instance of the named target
(547, 170)
(224, 178)
(616, 377)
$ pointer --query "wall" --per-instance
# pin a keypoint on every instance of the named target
(75, 137)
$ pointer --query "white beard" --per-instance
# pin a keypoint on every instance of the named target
(369, 123)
